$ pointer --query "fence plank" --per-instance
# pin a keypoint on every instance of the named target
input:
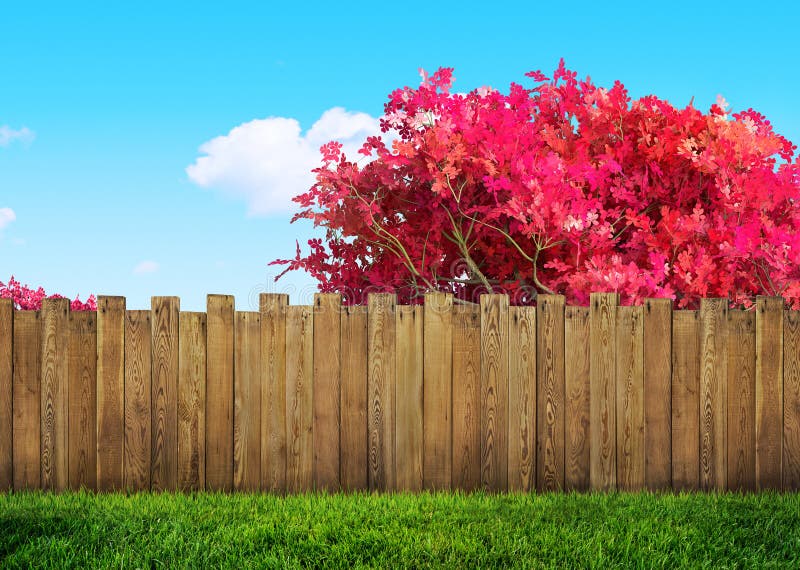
(138, 387)
(602, 418)
(27, 427)
(247, 402)
(381, 391)
(110, 392)
(219, 393)
(353, 462)
(438, 391)
(164, 322)
(83, 400)
(769, 392)
(522, 399)
(494, 392)
(273, 391)
(741, 400)
(408, 451)
(551, 392)
(713, 384)
(6, 394)
(55, 363)
(192, 355)
(327, 390)
(466, 471)
(791, 401)
(576, 383)
(658, 393)
(630, 398)
(685, 400)
(299, 398)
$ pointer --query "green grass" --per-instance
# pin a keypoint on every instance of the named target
(440, 530)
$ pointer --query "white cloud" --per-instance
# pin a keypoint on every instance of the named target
(145, 267)
(7, 216)
(266, 162)
(9, 135)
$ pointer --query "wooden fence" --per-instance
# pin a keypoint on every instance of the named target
(389, 397)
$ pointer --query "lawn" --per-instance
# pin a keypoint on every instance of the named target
(428, 530)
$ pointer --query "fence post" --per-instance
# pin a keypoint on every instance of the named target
(247, 402)
(27, 401)
(138, 399)
(550, 392)
(6, 394)
(82, 390)
(602, 372)
(273, 391)
(353, 463)
(299, 399)
(769, 392)
(576, 389)
(713, 384)
(658, 393)
(685, 400)
(164, 322)
(54, 371)
(494, 392)
(437, 387)
(381, 391)
(741, 400)
(327, 390)
(219, 393)
(791, 401)
(466, 397)
(110, 392)
(522, 392)
(630, 398)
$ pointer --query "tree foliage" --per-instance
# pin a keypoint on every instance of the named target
(28, 299)
(561, 187)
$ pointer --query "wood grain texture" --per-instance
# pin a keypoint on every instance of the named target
(741, 400)
(273, 391)
(576, 382)
(713, 387)
(494, 392)
(247, 402)
(602, 370)
(381, 391)
(685, 400)
(438, 392)
(327, 390)
(164, 331)
(769, 392)
(353, 461)
(192, 401)
(409, 444)
(299, 399)
(110, 392)
(54, 405)
(630, 398)
(6, 394)
(466, 397)
(219, 393)
(658, 393)
(791, 401)
(27, 426)
(138, 387)
(83, 400)
(551, 393)
(522, 399)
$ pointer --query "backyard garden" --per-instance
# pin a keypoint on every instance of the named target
(556, 327)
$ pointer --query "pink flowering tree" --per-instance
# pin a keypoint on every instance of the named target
(559, 186)
(28, 299)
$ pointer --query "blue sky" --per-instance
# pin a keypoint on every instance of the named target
(104, 109)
